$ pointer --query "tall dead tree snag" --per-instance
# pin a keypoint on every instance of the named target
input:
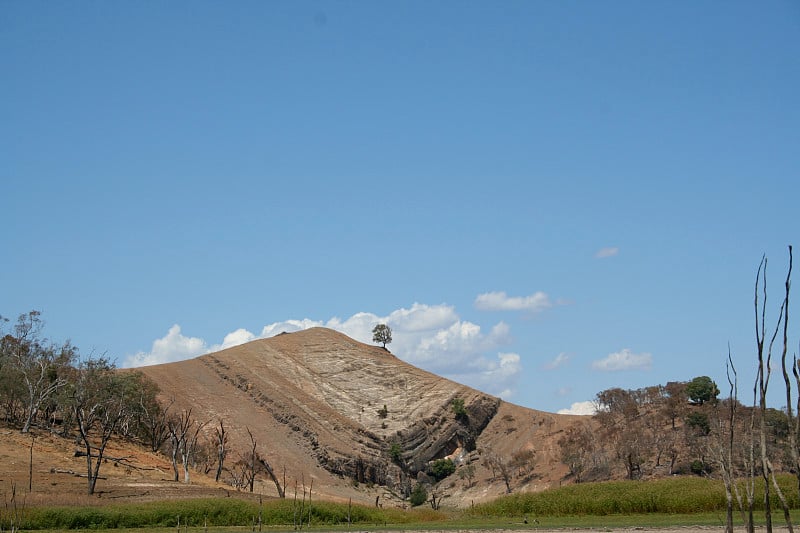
(222, 451)
(793, 417)
(184, 432)
(251, 460)
(725, 427)
(256, 461)
(764, 358)
(795, 455)
(271, 473)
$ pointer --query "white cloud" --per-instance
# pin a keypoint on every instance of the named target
(624, 360)
(500, 301)
(498, 376)
(580, 408)
(609, 251)
(173, 346)
(432, 337)
(560, 360)
(288, 326)
(422, 317)
(234, 338)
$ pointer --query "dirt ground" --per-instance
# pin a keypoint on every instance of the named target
(55, 476)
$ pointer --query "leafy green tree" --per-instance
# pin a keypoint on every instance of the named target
(382, 333)
(38, 364)
(701, 390)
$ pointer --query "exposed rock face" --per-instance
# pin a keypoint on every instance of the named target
(320, 394)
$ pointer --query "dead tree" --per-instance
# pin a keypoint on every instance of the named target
(155, 421)
(179, 437)
(499, 465)
(793, 418)
(272, 476)
(723, 445)
(222, 452)
(100, 401)
(761, 385)
(188, 449)
(251, 460)
(762, 382)
(254, 461)
(788, 385)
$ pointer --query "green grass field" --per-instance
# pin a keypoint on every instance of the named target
(674, 502)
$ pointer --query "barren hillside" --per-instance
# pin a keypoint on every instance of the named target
(313, 402)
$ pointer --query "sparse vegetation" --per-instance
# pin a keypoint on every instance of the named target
(419, 495)
(441, 468)
(699, 422)
(395, 453)
(458, 409)
(467, 472)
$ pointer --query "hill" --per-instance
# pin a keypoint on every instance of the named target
(323, 406)
(329, 414)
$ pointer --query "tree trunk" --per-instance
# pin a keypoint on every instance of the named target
(89, 470)
(784, 504)
(271, 474)
(175, 461)
(29, 419)
(222, 439)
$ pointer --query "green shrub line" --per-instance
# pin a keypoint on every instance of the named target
(219, 512)
(684, 495)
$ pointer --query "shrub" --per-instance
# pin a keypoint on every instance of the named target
(395, 452)
(459, 409)
(441, 468)
(419, 495)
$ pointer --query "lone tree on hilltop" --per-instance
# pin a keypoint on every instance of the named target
(701, 390)
(382, 333)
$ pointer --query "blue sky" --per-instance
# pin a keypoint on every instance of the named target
(543, 199)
